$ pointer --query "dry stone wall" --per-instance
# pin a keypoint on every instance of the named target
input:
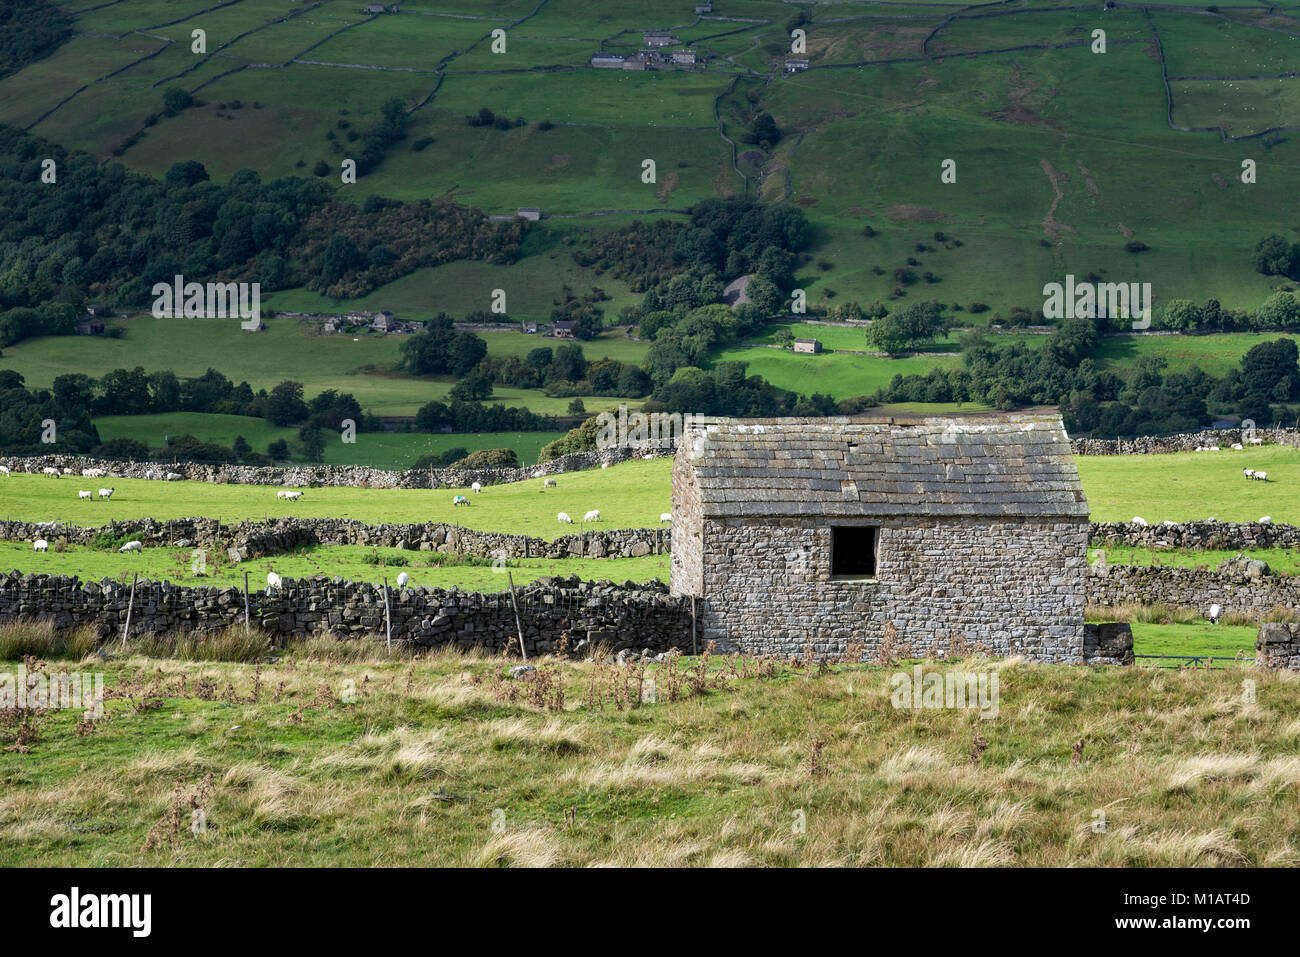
(1195, 588)
(635, 617)
(1278, 646)
(1182, 442)
(356, 476)
(1241, 536)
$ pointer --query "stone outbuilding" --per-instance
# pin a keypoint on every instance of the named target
(810, 346)
(830, 530)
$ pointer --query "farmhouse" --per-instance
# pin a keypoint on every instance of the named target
(811, 346)
(684, 58)
(917, 530)
(565, 329)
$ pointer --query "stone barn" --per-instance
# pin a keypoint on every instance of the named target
(829, 530)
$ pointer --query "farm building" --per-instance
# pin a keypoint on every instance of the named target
(528, 327)
(530, 213)
(811, 346)
(851, 530)
(660, 40)
(704, 8)
(90, 327)
(635, 64)
(565, 329)
(795, 66)
(608, 61)
(684, 58)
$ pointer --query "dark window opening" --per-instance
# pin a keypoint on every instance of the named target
(853, 551)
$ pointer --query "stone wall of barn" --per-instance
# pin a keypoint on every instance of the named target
(687, 567)
(1017, 587)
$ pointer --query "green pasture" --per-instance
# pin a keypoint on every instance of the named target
(386, 450)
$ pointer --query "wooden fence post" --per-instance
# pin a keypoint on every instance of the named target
(388, 618)
(519, 625)
(130, 606)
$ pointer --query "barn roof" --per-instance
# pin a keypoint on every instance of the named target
(988, 465)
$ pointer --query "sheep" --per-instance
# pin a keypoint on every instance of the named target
(1236, 446)
(40, 545)
(174, 476)
(84, 495)
(281, 494)
(460, 500)
(604, 465)
(1266, 520)
(5, 470)
(1249, 473)
(1261, 476)
(272, 582)
(476, 487)
(1139, 520)
(549, 483)
(402, 579)
(107, 492)
(592, 516)
(293, 496)
(1215, 611)
(53, 473)
(1213, 448)
(67, 471)
(563, 518)
(665, 516)
(131, 547)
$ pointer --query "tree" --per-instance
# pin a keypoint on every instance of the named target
(313, 444)
(466, 351)
(241, 447)
(279, 449)
(1270, 363)
(576, 407)
(908, 328)
(176, 99)
(1274, 256)
(473, 388)
(285, 405)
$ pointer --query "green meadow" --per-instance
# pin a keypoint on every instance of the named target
(385, 450)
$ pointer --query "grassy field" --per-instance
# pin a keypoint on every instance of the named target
(386, 450)
(1182, 487)
(1064, 155)
(1193, 485)
(313, 759)
(629, 495)
(353, 562)
(285, 350)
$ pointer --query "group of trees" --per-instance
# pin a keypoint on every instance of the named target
(30, 30)
(103, 232)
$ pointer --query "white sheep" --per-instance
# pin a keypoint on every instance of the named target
(53, 473)
(402, 579)
(563, 518)
(67, 471)
(549, 483)
(40, 545)
(665, 516)
(1215, 611)
(281, 494)
(1266, 520)
(476, 487)
(272, 582)
(460, 500)
(592, 516)
(1213, 448)
(5, 469)
(1261, 476)
(174, 476)
(1139, 520)
(1236, 446)
(1249, 473)
(107, 492)
(131, 547)
(293, 496)
(84, 495)
(604, 465)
